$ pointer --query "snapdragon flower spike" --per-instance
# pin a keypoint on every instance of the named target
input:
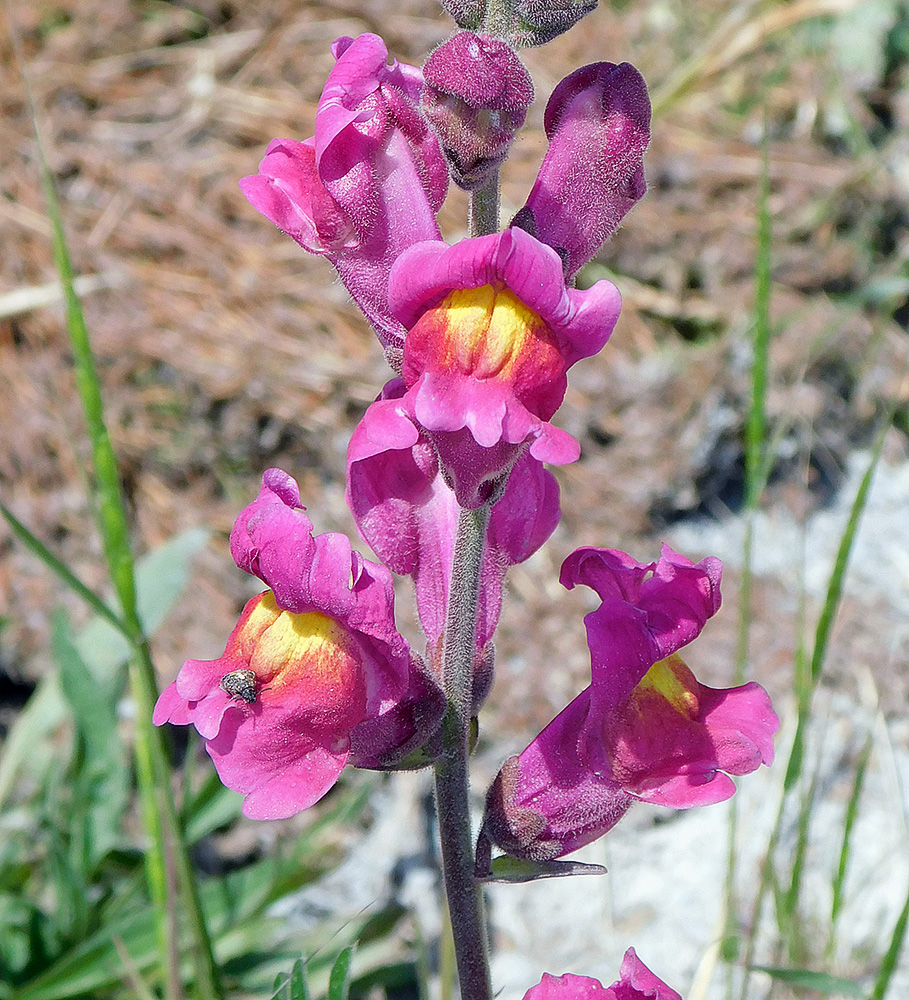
(315, 674)
(407, 513)
(598, 124)
(644, 729)
(476, 93)
(635, 982)
(492, 332)
(367, 185)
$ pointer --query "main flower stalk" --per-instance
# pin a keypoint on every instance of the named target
(464, 893)
(484, 207)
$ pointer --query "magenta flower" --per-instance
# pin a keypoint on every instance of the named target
(645, 728)
(315, 674)
(491, 333)
(476, 93)
(407, 513)
(635, 982)
(367, 185)
(598, 124)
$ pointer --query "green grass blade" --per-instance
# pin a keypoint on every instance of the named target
(339, 980)
(848, 823)
(790, 926)
(796, 756)
(755, 452)
(111, 510)
(891, 958)
(63, 572)
(114, 531)
(835, 585)
(168, 863)
(756, 424)
(809, 676)
(161, 579)
(818, 982)
(103, 781)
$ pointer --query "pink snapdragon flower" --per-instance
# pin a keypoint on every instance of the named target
(598, 124)
(644, 729)
(491, 333)
(635, 982)
(409, 515)
(367, 185)
(315, 674)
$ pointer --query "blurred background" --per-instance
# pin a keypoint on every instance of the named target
(224, 350)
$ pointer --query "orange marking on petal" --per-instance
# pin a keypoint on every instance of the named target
(488, 332)
(306, 662)
(674, 682)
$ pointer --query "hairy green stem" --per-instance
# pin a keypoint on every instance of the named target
(484, 208)
(497, 19)
(465, 894)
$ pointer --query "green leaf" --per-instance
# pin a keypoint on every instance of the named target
(820, 982)
(299, 988)
(339, 980)
(281, 989)
(94, 964)
(103, 778)
(210, 808)
(508, 869)
(161, 578)
(858, 40)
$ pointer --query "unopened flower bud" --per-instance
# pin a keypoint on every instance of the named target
(475, 94)
(467, 13)
(598, 124)
(536, 22)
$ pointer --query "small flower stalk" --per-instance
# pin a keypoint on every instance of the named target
(447, 482)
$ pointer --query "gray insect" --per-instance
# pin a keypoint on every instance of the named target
(241, 685)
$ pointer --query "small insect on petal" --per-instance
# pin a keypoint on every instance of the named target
(241, 685)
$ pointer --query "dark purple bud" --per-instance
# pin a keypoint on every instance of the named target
(467, 13)
(536, 22)
(598, 123)
(476, 92)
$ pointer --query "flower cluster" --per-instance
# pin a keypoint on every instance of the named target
(480, 337)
